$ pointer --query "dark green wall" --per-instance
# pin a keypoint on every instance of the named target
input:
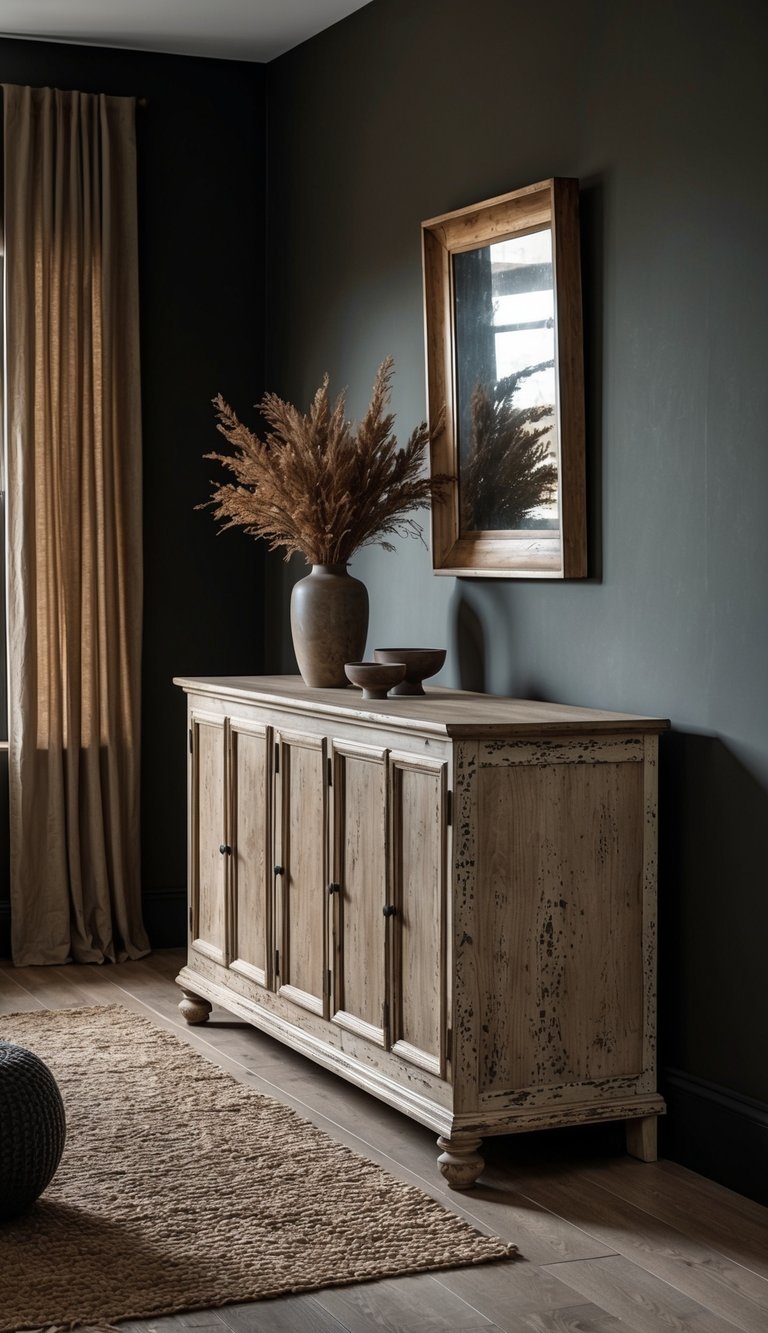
(408, 109)
(201, 151)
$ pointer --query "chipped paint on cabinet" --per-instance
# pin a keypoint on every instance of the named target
(451, 902)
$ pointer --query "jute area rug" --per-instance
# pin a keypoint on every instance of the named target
(182, 1189)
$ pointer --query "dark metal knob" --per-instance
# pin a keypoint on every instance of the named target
(279, 870)
(334, 888)
(389, 910)
(225, 849)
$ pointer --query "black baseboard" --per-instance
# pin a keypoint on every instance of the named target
(716, 1132)
(165, 918)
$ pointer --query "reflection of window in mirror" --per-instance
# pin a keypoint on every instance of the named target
(502, 306)
(506, 385)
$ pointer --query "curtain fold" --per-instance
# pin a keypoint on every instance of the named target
(74, 525)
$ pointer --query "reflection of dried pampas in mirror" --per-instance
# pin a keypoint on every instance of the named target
(509, 471)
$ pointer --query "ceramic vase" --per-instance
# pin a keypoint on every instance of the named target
(329, 624)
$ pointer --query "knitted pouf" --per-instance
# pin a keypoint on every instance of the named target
(32, 1128)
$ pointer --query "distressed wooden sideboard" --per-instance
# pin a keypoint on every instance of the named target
(449, 900)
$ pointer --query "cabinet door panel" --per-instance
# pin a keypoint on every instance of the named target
(302, 885)
(419, 861)
(361, 872)
(251, 869)
(208, 864)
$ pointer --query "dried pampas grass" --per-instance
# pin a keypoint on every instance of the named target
(317, 485)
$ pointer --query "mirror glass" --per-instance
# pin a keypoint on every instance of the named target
(504, 318)
(505, 384)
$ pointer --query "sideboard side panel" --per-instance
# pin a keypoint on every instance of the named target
(554, 909)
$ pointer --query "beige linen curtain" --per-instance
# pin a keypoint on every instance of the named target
(74, 525)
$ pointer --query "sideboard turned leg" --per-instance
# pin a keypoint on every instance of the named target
(642, 1138)
(459, 1161)
(194, 1008)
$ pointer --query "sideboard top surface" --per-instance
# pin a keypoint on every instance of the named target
(440, 711)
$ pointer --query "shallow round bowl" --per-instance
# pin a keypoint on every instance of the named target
(419, 664)
(375, 678)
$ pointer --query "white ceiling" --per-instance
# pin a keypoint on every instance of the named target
(230, 29)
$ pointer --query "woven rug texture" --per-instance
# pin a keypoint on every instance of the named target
(181, 1189)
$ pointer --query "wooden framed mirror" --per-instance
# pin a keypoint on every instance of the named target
(502, 298)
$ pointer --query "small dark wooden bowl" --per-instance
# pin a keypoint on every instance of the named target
(419, 664)
(375, 678)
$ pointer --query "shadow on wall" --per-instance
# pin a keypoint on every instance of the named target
(713, 924)
(713, 829)
(468, 648)
(481, 642)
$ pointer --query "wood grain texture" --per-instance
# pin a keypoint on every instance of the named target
(729, 1290)
(553, 971)
(572, 1275)
(361, 813)
(416, 1304)
(559, 867)
(642, 1138)
(251, 947)
(440, 712)
(637, 1298)
(302, 854)
(517, 210)
(419, 875)
(482, 958)
(528, 1292)
(566, 259)
(209, 886)
(708, 1213)
(14, 997)
(438, 317)
(649, 892)
(294, 1314)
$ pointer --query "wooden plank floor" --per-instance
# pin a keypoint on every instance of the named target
(607, 1244)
